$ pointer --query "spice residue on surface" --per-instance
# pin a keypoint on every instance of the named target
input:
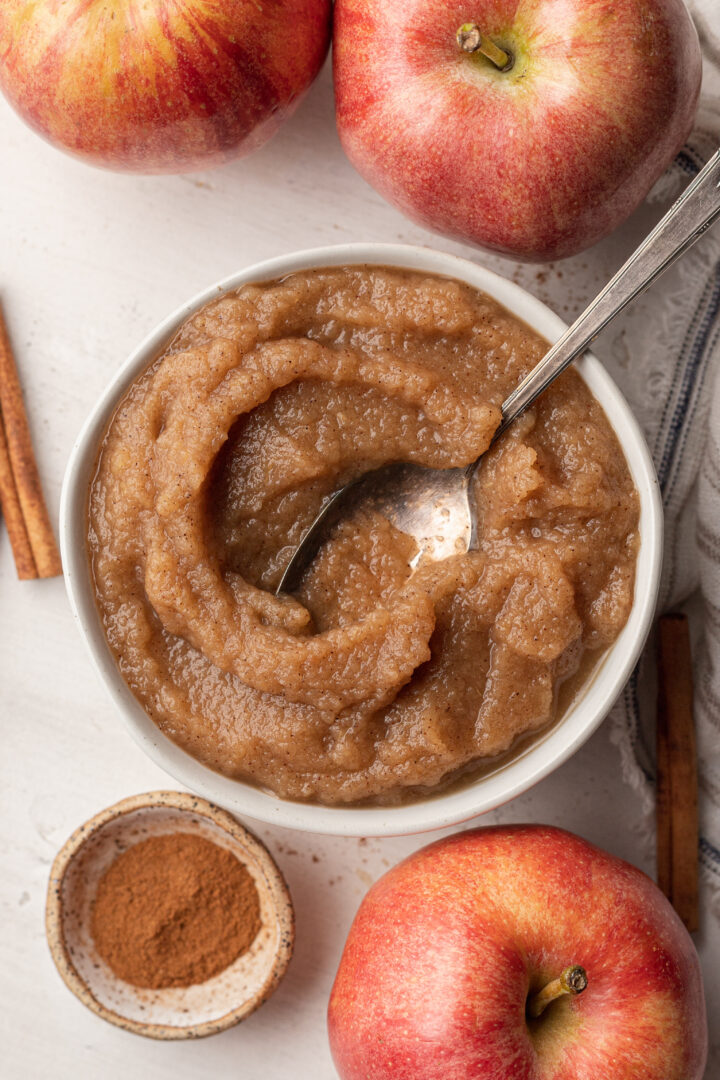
(174, 910)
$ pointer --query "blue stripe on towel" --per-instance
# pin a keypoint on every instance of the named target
(695, 346)
(707, 849)
(632, 712)
(686, 163)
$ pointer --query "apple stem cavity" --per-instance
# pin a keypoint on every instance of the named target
(471, 39)
(572, 981)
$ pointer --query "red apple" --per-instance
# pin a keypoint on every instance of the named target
(539, 160)
(450, 949)
(159, 85)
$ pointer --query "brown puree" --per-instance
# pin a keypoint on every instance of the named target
(374, 681)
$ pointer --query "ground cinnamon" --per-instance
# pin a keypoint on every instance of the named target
(174, 910)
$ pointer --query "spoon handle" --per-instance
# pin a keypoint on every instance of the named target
(686, 220)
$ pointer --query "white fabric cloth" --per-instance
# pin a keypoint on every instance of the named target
(674, 388)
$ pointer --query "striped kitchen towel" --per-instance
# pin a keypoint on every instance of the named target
(675, 391)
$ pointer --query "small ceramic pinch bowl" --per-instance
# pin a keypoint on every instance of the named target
(179, 1012)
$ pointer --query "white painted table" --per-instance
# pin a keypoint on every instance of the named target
(89, 262)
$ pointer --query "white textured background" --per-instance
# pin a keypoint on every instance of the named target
(89, 262)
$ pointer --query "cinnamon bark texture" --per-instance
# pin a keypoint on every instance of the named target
(23, 504)
(12, 512)
(677, 790)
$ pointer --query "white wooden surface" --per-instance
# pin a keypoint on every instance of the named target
(89, 262)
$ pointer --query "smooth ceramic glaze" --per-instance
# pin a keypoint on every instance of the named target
(488, 791)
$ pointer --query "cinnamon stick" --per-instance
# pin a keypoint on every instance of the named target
(677, 785)
(14, 520)
(23, 468)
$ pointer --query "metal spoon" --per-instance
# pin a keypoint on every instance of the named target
(436, 506)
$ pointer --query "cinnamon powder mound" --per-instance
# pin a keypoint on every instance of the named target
(174, 910)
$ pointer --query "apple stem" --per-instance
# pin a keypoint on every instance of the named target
(572, 981)
(471, 39)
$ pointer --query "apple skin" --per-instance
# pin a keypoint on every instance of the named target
(161, 85)
(446, 947)
(538, 162)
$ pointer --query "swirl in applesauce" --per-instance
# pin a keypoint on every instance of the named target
(375, 681)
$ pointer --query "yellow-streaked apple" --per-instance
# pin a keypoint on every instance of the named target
(159, 85)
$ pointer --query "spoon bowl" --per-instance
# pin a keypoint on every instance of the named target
(432, 505)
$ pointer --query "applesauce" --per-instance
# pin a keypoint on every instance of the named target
(377, 680)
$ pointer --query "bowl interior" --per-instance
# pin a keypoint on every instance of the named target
(233, 993)
(546, 752)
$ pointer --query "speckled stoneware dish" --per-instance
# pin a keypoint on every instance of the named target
(177, 1013)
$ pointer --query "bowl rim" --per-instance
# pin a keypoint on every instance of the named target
(488, 792)
(197, 806)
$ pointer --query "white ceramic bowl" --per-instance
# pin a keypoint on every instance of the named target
(529, 766)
